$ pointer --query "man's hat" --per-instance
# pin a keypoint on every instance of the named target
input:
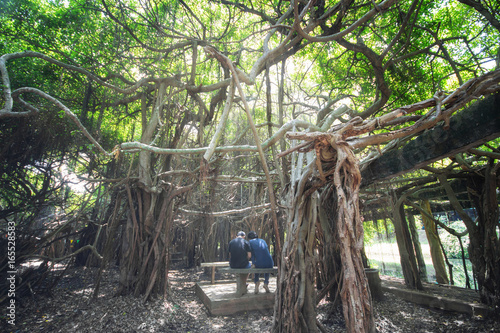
(241, 233)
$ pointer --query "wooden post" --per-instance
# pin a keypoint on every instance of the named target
(241, 287)
(213, 266)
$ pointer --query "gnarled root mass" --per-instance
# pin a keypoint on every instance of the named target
(356, 297)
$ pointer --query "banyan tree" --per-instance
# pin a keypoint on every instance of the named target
(187, 121)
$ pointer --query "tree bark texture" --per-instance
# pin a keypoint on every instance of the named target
(330, 262)
(418, 249)
(469, 128)
(405, 246)
(144, 261)
(295, 307)
(145, 243)
(341, 167)
(434, 244)
(355, 293)
(484, 247)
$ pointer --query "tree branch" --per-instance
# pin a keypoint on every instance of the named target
(225, 213)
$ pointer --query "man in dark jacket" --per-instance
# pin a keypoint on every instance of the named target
(240, 254)
(261, 258)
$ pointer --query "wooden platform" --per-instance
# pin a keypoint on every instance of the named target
(443, 297)
(221, 299)
(243, 273)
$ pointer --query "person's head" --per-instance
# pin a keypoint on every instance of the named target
(241, 234)
(252, 235)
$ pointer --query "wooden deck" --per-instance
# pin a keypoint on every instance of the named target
(443, 297)
(220, 298)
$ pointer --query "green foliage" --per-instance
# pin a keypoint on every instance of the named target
(122, 42)
(451, 243)
(375, 232)
(412, 74)
(369, 231)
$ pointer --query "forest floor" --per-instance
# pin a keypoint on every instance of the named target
(71, 308)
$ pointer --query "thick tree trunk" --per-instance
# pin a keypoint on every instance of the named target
(294, 311)
(418, 249)
(490, 293)
(405, 247)
(484, 248)
(355, 293)
(145, 243)
(330, 263)
(295, 306)
(434, 244)
(144, 260)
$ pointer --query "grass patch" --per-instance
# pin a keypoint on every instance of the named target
(384, 255)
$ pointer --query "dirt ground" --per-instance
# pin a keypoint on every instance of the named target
(71, 308)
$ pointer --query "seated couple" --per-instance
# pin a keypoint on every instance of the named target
(241, 251)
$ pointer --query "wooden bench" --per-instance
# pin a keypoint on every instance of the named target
(214, 265)
(242, 272)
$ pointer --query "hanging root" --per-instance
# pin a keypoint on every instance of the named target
(355, 293)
